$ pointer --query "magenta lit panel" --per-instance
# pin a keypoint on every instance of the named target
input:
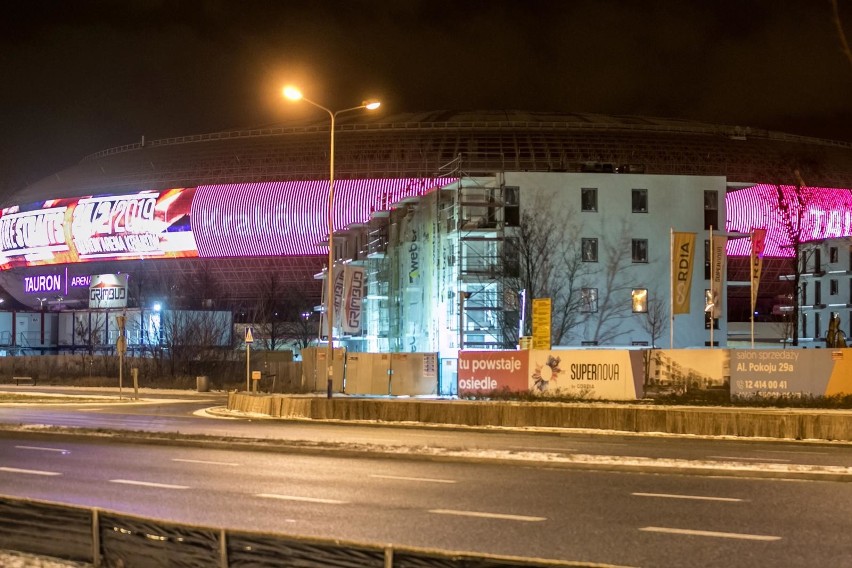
(289, 218)
(824, 212)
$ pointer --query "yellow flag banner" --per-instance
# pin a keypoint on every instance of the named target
(758, 238)
(683, 258)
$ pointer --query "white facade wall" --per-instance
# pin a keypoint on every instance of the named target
(427, 265)
(827, 289)
(674, 202)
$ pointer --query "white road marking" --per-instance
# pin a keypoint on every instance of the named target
(28, 471)
(695, 497)
(792, 452)
(424, 479)
(735, 458)
(40, 449)
(541, 448)
(298, 498)
(148, 484)
(205, 462)
(741, 536)
(488, 515)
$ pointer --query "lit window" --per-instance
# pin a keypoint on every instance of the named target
(590, 250)
(589, 199)
(589, 300)
(639, 298)
(639, 250)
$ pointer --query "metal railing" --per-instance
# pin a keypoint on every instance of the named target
(105, 538)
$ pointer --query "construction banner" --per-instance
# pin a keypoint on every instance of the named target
(717, 274)
(354, 288)
(541, 323)
(339, 276)
(758, 238)
(683, 258)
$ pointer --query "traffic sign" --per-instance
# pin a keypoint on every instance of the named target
(249, 336)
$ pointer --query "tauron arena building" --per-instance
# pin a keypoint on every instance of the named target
(428, 205)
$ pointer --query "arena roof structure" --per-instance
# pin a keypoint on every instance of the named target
(430, 145)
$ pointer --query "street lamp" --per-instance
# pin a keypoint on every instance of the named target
(295, 94)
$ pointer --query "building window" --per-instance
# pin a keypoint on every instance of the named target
(707, 268)
(817, 293)
(817, 261)
(640, 200)
(817, 330)
(804, 332)
(589, 199)
(589, 300)
(639, 248)
(833, 287)
(711, 209)
(590, 250)
(511, 257)
(511, 209)
(833, 255)
(804, 298)
(639, 300)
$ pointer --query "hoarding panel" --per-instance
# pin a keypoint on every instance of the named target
(486, 371)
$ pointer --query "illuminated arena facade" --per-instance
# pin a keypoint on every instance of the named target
(206, 220)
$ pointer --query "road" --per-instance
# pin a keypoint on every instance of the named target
(526, 508)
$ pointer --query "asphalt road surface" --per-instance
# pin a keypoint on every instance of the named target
(524, 508)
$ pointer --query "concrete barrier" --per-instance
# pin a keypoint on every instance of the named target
(792, 424)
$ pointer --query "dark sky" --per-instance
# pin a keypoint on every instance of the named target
(78, 76)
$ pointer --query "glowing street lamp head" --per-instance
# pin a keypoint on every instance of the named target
(372, 105)
(292, 93)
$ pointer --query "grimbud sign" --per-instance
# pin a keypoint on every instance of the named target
(108, 291)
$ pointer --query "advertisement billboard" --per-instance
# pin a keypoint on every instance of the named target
(778, 372)
(589, 374)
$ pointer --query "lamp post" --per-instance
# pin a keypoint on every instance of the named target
(295, 94)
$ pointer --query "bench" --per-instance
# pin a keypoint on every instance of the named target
(25, 380)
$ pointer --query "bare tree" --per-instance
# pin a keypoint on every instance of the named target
(655, 318)
(543, 258)
(793, 204)
(606, 321)
(195, 339)
(283, 320)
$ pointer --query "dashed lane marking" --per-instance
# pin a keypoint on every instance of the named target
(148, 484)
(695, 497)
(299, 498)
(423, 479)
(480, 514)
(688, 532)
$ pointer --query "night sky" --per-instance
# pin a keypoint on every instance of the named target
(80, 76)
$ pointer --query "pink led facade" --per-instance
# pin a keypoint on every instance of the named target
(825, 213)
(210, 221)
(289, 218)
